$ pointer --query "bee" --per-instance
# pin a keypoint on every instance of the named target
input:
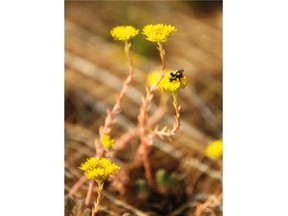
(178, 74)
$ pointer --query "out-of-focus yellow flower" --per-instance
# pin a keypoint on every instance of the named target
(99, 169)
(107, 142)
(215, 149)
(165, 85)
(158, 33)
(124, 33)
(152, 78)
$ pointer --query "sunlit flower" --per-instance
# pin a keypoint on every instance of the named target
(158, 33)
(107, 142)
(99, 169)
(124, 33)
(165, 84)
(215, 149)
(173, 86)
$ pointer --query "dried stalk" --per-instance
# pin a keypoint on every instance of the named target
(211, 203)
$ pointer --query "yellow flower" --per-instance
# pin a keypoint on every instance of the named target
(215, 149)
(158, 33)
(88, 164)
(124, 33)
(152, 78)
(107, 142)
(99, 169)
(165, 85)
(171, 87)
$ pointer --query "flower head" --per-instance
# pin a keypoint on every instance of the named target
(215, 149)
(152, 78)
(124, 33)
(107, 142)
(158, 33)
(166, 85)
(99, 169)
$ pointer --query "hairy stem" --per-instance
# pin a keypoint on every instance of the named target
(106, 128)
(99, 198)
(144, 148)
(177, 114)
(166, 132)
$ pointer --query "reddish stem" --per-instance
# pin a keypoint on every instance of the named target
(89, 192)
(143, 122)
(106, 128)
(76, 186)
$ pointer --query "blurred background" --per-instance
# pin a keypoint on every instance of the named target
(95, 67)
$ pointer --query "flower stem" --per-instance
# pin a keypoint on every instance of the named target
(177, 114)
(106, 128)
(89, 193)
(162, 55)
(143, 121)
(97, 205)
(176, 126)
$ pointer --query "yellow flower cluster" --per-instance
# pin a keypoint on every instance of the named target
(158, 33)
(99, 169)
(124, 33)
(215, 149)
(165, 85)
(107, 142)
(171, 87)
